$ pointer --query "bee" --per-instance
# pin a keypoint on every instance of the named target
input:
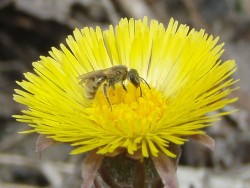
(109, 77)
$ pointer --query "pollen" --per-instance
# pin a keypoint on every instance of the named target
(131, 117)
(129, 104)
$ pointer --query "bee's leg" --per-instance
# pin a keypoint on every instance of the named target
(105, 87)
(123, 86)
(111, 84)
(140, 91)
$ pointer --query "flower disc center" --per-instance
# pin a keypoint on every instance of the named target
(129, 109)
(131, 120)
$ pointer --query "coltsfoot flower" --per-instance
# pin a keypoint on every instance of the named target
(187, 81)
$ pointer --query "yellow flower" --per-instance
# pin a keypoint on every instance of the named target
(187, 80)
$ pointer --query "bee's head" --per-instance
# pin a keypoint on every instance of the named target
(133, 77)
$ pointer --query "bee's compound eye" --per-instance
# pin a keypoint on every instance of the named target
(134, 80)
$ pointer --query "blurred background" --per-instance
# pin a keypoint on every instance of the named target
(29, 28)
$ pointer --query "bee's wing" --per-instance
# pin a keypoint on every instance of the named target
(90, 75)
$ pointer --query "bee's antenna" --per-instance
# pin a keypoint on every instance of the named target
(145, 82)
